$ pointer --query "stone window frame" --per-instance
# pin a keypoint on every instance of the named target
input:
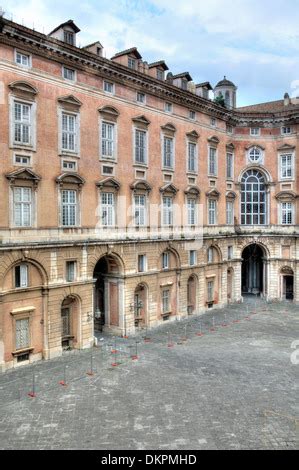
(261, 149)
(64, 68)
(25, 93)
(213, 143)
(71, 106)
(109, 115)
(20, 51)
(141, 188)
(144, 257)
(22, 313)
(212, 195)
(140, 123)
(168, 131)
(281, 153)
(192, 138)
(168, 190)
(74, 182)
(76, 270)
(192, 192)
(108, 185)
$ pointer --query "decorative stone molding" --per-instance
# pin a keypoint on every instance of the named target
(70, 179)
(192, 191)
(193, 135)
(231, 195)
(108, 183)
(169, 128)
(230, 147)
(69, 100)
(109, 112)
(286, 196)
(141, 121)
(286, 148)
(140, 185)
(169, 189)
(213, 140)
(24, 175)
(20, 87)
(213, 194)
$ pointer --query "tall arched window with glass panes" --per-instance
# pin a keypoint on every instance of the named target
(253, 198)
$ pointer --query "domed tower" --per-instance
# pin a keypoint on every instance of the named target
(228, 90)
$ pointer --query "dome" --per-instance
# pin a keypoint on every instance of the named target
(225, 82)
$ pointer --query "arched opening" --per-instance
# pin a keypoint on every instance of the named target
(253, 198)
(140, 305)
(69, 322)
(107, 278)
(191, 295)
(230, 274)
(253, 270)
(287, 283)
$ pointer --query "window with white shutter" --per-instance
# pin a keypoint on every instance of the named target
(286, 166)
(167, 211)
(69, 132)
(212, 212)
(108, 133)
(22, 207)
(21, 276)
(22, 333)
(229, 212)
(22, 123)
(140, 209)
(192, 163)
(107, 209)
(191, 205)
(140, 146)
(287, 211)
(69, 207)
(168, 152)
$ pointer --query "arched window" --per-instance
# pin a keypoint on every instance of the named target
(255, 155)
(253, 198)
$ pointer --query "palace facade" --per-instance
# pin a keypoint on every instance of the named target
(129, 197)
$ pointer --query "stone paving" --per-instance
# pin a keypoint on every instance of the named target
(232, 388)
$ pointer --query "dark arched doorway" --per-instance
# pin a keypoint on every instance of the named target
(107, 292)
(253, 270)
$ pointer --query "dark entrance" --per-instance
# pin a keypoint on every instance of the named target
(99, 274)
(252, 270)
(289, 287)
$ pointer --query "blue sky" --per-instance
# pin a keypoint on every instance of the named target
(254, 43)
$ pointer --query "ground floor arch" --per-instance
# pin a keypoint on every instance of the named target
(254, 274)
(108, 292)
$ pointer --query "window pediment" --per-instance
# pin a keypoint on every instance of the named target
(193, 135)
(23, 174)
(192, 191)
(70, 100)
(141, 120)
(230, 147)
(23, 87)
(286, 148)
(286, 196)
(108, 183)
(214, 140)
(169, 188)
(231, 195)
(170, 128)
(70, 178)
(109, 111)
(213, 193)
(140, 185)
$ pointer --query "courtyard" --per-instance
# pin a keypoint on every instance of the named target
(222, 380)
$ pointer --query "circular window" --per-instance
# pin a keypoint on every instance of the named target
(255, 155)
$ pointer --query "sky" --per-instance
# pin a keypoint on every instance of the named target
(255, 43)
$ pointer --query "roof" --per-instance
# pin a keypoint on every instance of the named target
(93, 44)
(183, 75)
(67, 23)
(204, 84)
(159, 63)
(269, 107)
(132, 50)
(225, 82)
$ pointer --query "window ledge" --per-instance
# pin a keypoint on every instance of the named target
(19, 352)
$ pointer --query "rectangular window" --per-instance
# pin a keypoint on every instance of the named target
(108, 87)
(254, 131)
(22, 123)
(229, 165)
(23, 160)
(191, 205)
(229, 212)
(168, 152)
(68, 74)
(108, 132)
(229, 252)
(165, 301)
(22, 333)
(212, 212)
(210, 255)
(192, 163)
(140, 146)
(69, 207)
(140, 210)
(168, 107)
(131, 63)
(286, 166)
(212, 161)
(141, 263)
(107, 170)
(229, 129)
(140, 97)
(213, 122)
(192, 115)
(165, 260)
(286, 130)
(71, 271)
(192, 257)
(69, 132)
(22, 210)
(108, 209)
(21, 276)
(167, 211)
(69, 38)
(287, 211)
(160, 74)
(22, 59)
(69, 166)
(210, 291)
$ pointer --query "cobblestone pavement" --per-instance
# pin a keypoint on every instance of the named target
(232, 388)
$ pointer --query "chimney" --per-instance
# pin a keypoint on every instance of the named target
(287, 100)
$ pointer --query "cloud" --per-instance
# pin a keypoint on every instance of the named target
(254, 43)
